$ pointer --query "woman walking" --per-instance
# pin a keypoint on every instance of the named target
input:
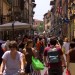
(12, 60)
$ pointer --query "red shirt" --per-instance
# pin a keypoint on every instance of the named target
(38, 45)
(52, 64)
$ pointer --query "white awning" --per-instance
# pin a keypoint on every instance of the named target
(17, 25)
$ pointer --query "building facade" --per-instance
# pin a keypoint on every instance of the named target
(60, 17)
(71, 16)
(47, 21)
(16, 10)
(20, 10)
(4, 11)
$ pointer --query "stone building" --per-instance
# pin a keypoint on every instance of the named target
(16, 10)
(60, 15)
(71, 16)
(47, 21)
(4, 10)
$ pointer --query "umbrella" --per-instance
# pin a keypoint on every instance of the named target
(17, 25)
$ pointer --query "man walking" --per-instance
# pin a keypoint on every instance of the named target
(55, 59)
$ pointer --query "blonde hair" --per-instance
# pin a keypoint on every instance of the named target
(66, 39)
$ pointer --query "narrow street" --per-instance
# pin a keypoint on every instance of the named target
(29, 26)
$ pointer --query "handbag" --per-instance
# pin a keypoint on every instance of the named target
(36, 64)
(68, 72)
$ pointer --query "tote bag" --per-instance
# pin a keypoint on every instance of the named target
(36, 64)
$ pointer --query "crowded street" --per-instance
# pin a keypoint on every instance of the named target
(37, 37)
(40, 55)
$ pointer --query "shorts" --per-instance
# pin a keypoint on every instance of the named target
(28, 68)
(55, 71)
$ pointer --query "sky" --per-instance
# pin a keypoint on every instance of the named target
(42, 7)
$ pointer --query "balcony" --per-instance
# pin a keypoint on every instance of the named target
(52, 9)
(52, 2)
(33, 0)
(34, 5)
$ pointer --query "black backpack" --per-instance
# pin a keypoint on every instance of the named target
(53, 55)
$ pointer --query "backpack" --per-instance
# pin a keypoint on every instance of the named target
(53, 56)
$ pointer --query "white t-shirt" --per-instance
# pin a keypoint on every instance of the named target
(12, 66)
